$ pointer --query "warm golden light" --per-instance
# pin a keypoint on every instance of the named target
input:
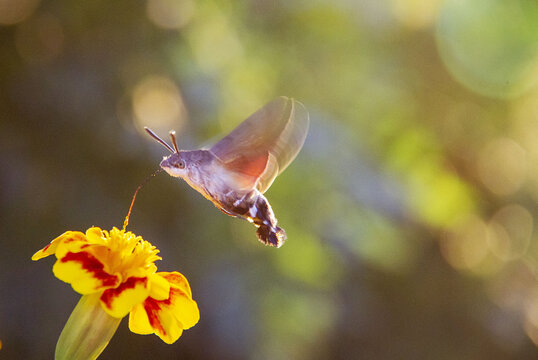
(502, 166)
(465, 245)
(40, 39)
(532, 332)
(214, 41)
(158, 104)
(531, 317)
(416, 14)
(531, 309)
(510, 231)
(525, 123)
(525, 129)
(170, 14)
(15, 11)
(411, 206)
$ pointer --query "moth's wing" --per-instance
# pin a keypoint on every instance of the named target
(293, 127)
(244, 172)
(263, 145)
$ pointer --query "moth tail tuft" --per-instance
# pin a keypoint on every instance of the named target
(271, 236)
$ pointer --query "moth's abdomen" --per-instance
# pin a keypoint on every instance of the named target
(262, 215)
(255, 208)
(274, 236)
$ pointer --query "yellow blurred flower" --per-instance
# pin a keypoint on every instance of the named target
(118, 269)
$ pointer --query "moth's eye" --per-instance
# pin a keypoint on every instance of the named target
(180, 165)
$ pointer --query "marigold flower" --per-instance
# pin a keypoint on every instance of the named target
(116, 269)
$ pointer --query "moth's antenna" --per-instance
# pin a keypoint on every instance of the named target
(163, 143)
(174, 142)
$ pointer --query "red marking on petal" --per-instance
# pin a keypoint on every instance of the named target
(70, 239)
(173, 293)
(46, 247)
(89, 263)
(173, 278)
(109, 294)
(179, 281)
(152, 308)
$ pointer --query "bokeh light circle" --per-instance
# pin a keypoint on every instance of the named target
(490, 46)
(170, 14)
(40, 39)
(465, 245)
(15, 11)
(510, 231)
(502, 166)
(158, 104)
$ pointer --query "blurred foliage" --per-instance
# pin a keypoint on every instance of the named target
(410, 212)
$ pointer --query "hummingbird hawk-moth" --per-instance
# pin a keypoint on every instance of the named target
(235, 172)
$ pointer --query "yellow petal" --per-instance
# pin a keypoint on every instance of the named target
(53, 245)
(164, 323)
(72, 244)
(177, 280)
(180, 301)
(168, 317)
(184, 308)
(84, 272)
(138, 321)
(170, 329)
(95, 236)
(119, 301)
(159, 287)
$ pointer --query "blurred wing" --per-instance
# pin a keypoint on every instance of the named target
(263, 145)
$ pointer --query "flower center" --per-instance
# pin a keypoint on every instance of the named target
(128, 254)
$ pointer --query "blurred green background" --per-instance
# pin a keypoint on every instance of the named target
(411, 211)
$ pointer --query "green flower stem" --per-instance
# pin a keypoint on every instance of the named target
(87, 332)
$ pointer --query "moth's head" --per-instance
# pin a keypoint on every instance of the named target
(175, 165)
